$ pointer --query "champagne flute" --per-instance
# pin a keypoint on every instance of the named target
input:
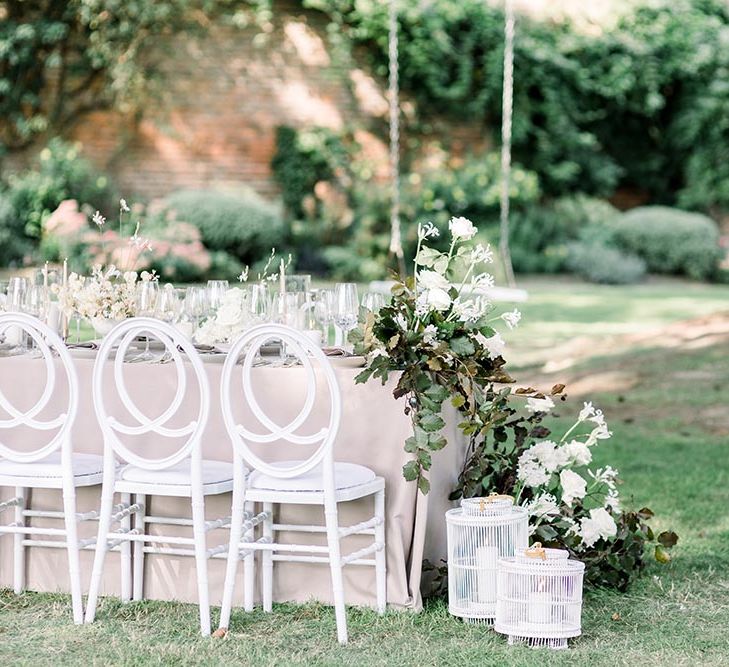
(36, 304)
(324, 311)
(346, 308)
(146, 299)
(258, 304)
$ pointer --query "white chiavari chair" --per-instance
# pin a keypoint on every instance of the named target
(53, 465)
(184, 473)
(317, 480)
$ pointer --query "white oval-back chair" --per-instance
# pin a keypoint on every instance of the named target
(183, 473)
(53, 465)
(316, 480)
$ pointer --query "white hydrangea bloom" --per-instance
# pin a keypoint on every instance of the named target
(531, 472)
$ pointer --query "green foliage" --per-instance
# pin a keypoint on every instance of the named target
(58, 59)
(61, 173)
(14, 245)
(601, 263)
(540, 235)
(641, 103)
(670, 241)
(242, 224)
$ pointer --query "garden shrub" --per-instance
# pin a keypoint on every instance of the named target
(540, 234)
(243, 224)
(14, 245)
(62, 173)
(600, 263)
(670, 240)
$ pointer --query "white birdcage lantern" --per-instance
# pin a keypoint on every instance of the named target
(540, 597)
(480, 532)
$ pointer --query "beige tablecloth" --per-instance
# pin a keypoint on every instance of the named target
(372, 433)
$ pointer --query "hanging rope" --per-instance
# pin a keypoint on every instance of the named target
(507, 107)
(394, 95)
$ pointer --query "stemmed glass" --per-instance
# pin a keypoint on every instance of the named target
(346, 308)
(216, 292)
(167, 307)
(324, 311)
(35, 303)
(373, 301)
(258, 304)
(146, 297)
(195, 306)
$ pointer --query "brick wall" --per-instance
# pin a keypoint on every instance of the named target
(223, 97)
(213, 123)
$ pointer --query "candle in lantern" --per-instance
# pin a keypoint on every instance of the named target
(540, 604)
(487, 557)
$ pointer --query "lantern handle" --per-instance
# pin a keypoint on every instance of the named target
(536, 551)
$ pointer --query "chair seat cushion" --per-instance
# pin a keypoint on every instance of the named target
(213, 472)
(346, 475)
(83, 465)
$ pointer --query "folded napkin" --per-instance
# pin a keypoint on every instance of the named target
(336, 352)
(87, 345)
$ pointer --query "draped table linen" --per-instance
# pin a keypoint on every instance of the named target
(373, 430)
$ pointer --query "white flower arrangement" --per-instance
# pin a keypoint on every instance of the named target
(105, 294)
(228, 322)
(560, 493)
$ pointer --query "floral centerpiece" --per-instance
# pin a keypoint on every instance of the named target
(228, 322)
(439, 334)
(109, 294)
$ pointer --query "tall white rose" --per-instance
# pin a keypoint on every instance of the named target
(438, 299)
(574, 487)
(462, 228)
(432, 280)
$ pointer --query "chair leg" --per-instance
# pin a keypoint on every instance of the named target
(102, 546)
(236, 533)
(18, 548)
(335, 564)
(74, 566)
(380, 556)
(267, 561)
(201, 562)
(140, 526)
(125, 553)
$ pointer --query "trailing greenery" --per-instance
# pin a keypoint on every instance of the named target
(641, 103)
(59, 59)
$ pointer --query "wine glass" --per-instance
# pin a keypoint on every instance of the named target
(146, 299)
(216, 292)
(3, 295)
(195, 306)
(373, 301)
(346, 308)
(167, 307)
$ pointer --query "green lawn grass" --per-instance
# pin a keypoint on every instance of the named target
(670, 443)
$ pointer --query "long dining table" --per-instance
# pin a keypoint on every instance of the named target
(373, 430)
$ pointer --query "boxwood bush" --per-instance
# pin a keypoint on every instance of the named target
(242, 224)
(670, 240)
